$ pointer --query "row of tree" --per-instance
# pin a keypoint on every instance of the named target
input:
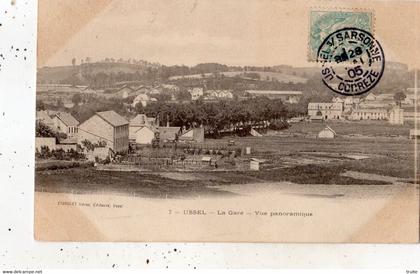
(217, 116)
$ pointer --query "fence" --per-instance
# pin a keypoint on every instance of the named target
(167, 162)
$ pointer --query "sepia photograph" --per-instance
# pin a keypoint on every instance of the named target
(227, 121)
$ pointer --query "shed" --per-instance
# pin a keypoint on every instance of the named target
(327, 133)
(255, 164)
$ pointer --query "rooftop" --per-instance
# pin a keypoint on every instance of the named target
(168, 133)
(141, 120)
(275, 92)
(67, 119)
(370, 110)
(113, 118)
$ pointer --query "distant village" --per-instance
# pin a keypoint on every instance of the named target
(135, 117)
(109, 132)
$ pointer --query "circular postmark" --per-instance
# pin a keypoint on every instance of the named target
(352, 61)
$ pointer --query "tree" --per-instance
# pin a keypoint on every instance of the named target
(399, 97)
(183, 95)
(76, 99)
(40, 105)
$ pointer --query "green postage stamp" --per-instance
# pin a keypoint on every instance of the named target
(323, 23)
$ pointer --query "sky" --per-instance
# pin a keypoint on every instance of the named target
(234, 32)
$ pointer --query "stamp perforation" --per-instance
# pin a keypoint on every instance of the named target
(310, 57)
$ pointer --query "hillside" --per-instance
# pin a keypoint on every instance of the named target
(263, 75)
(65, 74)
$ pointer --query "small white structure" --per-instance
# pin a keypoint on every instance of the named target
(141, 98)
(396, 116)
(255, 133)
(144, 135)
(327, 133)
(328, 111)
(255, 164)
(196, 93)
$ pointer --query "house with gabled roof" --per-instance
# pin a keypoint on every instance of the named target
(138, 122)
(192, 135)
(44, 116)
(327, 133)
(124, 92)
(106, 127)
(65, 123)
(169, 134)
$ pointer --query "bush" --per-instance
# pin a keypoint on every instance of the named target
(279, 125)
(59, 154)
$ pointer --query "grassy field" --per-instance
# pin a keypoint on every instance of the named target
(287, 158)
(345, 128)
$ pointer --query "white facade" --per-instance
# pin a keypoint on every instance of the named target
(396, 116)
(144, 135)
(65, 123)
(326, 133)
(141, 120)
(196, 93)
(328, 110)
(351, 102)
(369, 114)
(141, 98)
(106, 127)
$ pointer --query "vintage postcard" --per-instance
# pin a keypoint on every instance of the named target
(227, 121)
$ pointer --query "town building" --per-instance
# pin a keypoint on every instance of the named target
(196, 93)
(287, 96)
(370, 97)
(65, 123)
(411, 115)
(351, 103)
(44, 117)
(327, 133)
(337, 100)
(328, 111)
(124, 92)
(108, 127)
(396, 116)
(169, 134)
(218, 94)
(141, 98)
(410, 99)
(369, 114)
(193, 135)
(138, 122)
(144, 135)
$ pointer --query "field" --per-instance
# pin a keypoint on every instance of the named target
(287, 157)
